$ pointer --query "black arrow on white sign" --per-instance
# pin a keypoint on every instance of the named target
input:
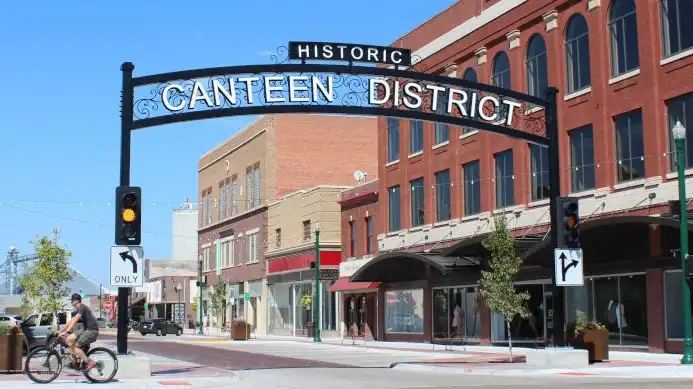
(126, 256)
(565, 267)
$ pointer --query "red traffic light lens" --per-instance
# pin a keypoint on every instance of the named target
(571, 221)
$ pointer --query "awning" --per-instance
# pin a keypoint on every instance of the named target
(344, 285)
(401, 266)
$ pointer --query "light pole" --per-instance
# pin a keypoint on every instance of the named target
(679, 135)
(316, 300)
(199, 291)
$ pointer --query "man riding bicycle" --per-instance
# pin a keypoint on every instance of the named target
(82, 336)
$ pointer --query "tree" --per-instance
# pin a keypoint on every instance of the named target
(497, 285)
(217, 299)
(45, 280)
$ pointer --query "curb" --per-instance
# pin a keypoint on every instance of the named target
(610, 372)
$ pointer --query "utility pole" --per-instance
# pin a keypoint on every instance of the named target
(316, 300)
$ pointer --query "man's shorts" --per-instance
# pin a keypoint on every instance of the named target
(86, 337)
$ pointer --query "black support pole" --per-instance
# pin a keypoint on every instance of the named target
(554, 193)
(125, 133)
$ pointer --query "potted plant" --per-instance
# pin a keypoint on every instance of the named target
(11, 348)
(240, 329)
(589, 335)
(307, 301)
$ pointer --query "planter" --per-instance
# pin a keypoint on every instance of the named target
(11, 349)
(240, 330)
(596, 342)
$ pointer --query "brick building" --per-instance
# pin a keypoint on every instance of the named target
(622, 68)
(273, 156)
(358, 300)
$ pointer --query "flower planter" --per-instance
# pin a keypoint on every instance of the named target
(596, 342)
(11, 348)
(240, 330)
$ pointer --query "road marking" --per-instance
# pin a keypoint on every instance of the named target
(174, 383)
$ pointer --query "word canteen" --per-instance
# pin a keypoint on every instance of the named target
(306, 89)
(349, 52)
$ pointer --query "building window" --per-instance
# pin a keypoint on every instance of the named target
(241, 242)
(539, 167)
(207, 205)
(677, 32)
(205, 259)
(505, 178)
(306, 230)
(249, 189)
(577, 54)
(537, 70)
(630, 148)
(253, 248)
(415, 134)
(681, 108)
(256, 188)
(443, 195)
(232, 251)
(472, 188)
(469, 75)
(582, 159)
(222, 200)
(623, 26)
(203, 221)
(227, 190)
(393, 207)
(227, 253)
(392, 140)
(234, 196)
(404, 311)
(442, 130)
(352, 238)
(369, 235)
(278, 237)
(418, 212)
(501, 78)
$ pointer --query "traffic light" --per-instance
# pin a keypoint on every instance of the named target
(128, 216)
(568, 222)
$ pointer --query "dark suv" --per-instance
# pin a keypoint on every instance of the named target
(160, 327)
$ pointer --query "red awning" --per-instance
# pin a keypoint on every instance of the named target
(343, 285)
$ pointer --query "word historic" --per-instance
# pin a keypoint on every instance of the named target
(271, 89)
(349, 52)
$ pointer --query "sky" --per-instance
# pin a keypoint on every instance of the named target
(60, 103)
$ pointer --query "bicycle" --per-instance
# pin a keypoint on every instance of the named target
(58, 350)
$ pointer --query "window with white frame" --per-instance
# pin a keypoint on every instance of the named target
(577, 54)
(222, 200)
(227, 189)
(677, 34)
(234, 196)
(623, 25)
(253, 242)
(249, 189)
(205, 259)
(256, 188)
(227, 253)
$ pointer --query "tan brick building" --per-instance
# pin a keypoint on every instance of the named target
(271, 157)
(292, 224)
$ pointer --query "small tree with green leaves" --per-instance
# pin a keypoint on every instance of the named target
(497, 285)
(45, 280)
(217, 300)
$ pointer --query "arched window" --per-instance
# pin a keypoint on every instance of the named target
(577, 54)
(469, 75)
(677, 31)
(623, 26)
(537, 70)
(501, 78)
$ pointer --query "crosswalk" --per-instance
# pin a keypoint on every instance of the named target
(346, 355)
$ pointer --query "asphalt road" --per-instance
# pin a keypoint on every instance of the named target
(214, 357)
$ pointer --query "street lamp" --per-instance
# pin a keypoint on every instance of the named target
(679, 135)
(316, 300)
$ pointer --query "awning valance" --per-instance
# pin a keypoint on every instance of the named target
(344, 285)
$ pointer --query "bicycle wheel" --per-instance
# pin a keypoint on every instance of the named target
(43, 365)
(103, 358)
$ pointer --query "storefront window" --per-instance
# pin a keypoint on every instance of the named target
(280, 309)
(404, 311)
(303, 314)
(328, 306)
(529, 329)
(456, 313)
(620, 304)
(674, 305)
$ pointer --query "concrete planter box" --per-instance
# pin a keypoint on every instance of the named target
(240, 330)
(596, 342)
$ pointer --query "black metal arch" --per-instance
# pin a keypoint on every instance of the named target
(353, 101)
(408, 266)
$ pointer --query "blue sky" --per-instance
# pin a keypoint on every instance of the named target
(59, 110)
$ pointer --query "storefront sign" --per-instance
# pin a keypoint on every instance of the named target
(347, 269)
(349, 52)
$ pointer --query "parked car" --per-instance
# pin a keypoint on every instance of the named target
(37, 327)
(10, 319)
(160, 327)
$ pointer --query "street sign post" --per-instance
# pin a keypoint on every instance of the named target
(568, 267)
(127, 266)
